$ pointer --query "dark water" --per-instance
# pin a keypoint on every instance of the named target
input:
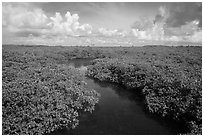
(119, 112)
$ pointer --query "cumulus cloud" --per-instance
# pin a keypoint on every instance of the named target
(21, 17)
(115, 32)
(142, 24)
(174, 22)
(155, 33)
(197, 36)
(68, 25)
(23, 20)
(185, 30)
(149, 29)
(167, 27)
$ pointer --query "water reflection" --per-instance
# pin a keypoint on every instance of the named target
(121, 91)
(119, 112)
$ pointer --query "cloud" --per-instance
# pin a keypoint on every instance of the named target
(148, 29)
(162, 29)
(154, 33)
(115, 32)
(68, 25)
(173, 22)
(185, 30)
(142, 24)
(23, 20)
(180, 13)
(197, 36)
(23, 17)
(162, 15)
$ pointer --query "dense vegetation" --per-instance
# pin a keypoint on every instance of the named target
(40, 93)
(40, 96)
(169, 78)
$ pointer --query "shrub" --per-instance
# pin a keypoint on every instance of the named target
(170, 89)
(39, 99)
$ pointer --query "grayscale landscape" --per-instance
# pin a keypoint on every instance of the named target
(102, 68)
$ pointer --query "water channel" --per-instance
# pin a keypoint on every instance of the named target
(119, 112)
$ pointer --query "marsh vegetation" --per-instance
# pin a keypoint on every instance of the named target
(43, 94)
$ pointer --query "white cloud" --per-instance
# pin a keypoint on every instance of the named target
(196, 37)
(157, 29)
(68, 25)
(115, 32)
(29, 23)
(154, 33)
(106, 32)
(23, 19)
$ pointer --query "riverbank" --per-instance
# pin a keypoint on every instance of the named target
(171, 87)
(169, 79)
(119, 112)
(40, 96)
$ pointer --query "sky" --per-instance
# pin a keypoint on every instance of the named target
(102, 24)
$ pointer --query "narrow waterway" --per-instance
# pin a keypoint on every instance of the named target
(119, 112)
